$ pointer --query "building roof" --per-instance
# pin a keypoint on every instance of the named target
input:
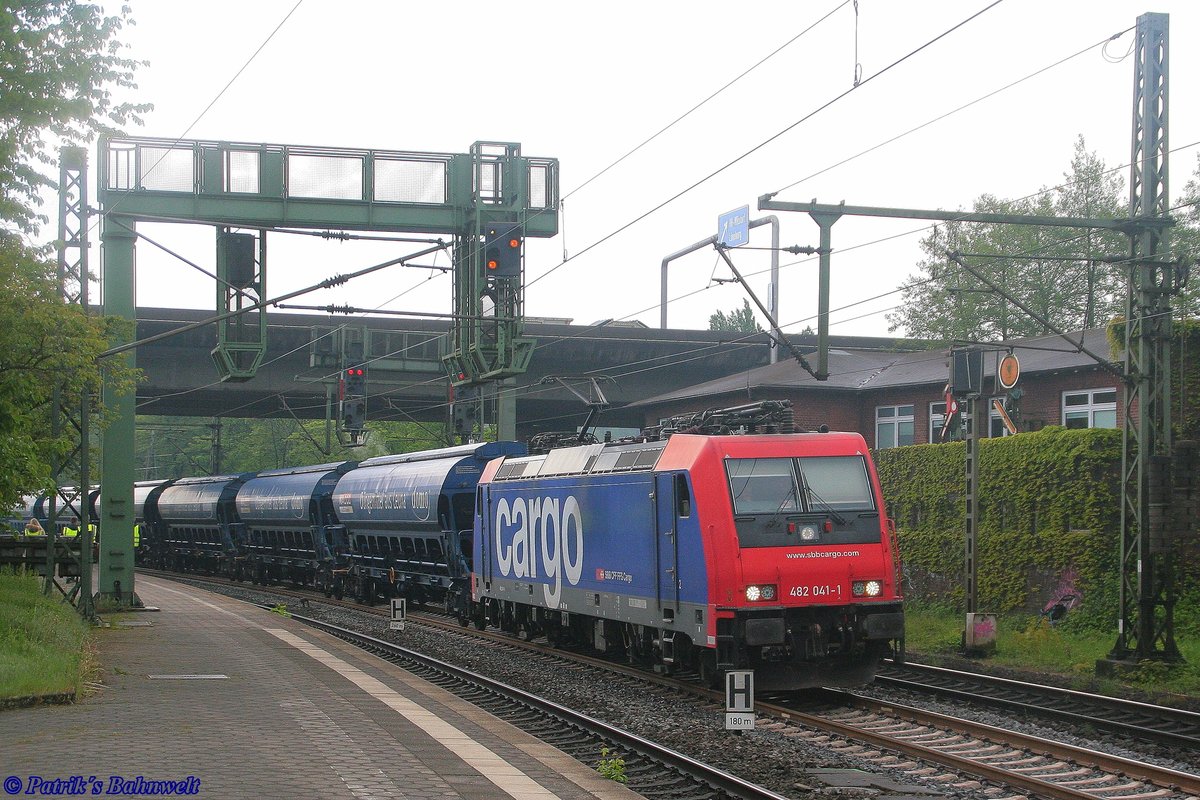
(861, 369)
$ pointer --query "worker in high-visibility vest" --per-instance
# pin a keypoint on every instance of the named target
(137, 536)
(34, 528)
(72, 530)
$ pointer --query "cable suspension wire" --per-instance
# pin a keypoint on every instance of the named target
(703, 102)
(952, 112)
(765, 142)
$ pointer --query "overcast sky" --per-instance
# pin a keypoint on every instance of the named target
(588, 82)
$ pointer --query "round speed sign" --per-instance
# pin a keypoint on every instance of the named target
(1008, 371)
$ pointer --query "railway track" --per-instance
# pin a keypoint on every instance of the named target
(1172, 727)
(903, 739)
(1035, 765)
(652, 770)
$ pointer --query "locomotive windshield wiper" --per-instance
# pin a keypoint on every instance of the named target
(812, 495)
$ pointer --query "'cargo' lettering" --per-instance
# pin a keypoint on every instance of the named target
(541, 530)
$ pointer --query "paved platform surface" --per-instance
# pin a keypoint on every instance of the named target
(230, 702)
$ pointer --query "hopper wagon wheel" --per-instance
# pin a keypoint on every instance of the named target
(366, 590)
(480, 616)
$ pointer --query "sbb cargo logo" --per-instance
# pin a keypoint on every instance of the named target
(540, 530)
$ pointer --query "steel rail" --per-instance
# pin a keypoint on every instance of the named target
(1039, 700)
(1159, 776)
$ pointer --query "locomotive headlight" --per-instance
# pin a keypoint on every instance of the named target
(867, 588)
(764, 591)
(809, 533)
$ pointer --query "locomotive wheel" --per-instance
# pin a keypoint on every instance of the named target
(710, 676)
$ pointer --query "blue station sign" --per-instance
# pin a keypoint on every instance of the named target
(733, 227)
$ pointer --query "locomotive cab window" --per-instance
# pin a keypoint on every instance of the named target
(762, 485)
(802, 501)
(837, 483)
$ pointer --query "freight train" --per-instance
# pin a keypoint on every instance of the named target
(713, 542)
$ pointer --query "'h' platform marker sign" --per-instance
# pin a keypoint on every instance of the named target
(739, 700)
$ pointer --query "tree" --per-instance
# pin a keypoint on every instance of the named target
(43, 343)
(1185, 244)
(59, 60)
(1061, 273)
(741, 319)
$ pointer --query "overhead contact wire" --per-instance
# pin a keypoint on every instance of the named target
(765, 142)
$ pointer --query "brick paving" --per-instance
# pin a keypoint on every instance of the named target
(255, 705)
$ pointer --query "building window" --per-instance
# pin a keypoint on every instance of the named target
(893, 426)
(937, 418)
(1091, 408)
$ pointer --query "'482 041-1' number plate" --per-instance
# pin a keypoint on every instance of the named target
(818, 590)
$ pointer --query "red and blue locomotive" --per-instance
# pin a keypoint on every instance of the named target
(740, 550)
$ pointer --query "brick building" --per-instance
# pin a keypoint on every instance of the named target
(896, 398)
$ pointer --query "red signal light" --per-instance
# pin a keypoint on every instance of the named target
(492, 263)
(514, 242)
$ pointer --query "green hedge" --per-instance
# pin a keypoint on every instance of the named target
(1048, 522)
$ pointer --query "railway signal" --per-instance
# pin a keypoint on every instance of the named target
(464, 407)
(354, 402)
(355, 382)
(502, 250)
